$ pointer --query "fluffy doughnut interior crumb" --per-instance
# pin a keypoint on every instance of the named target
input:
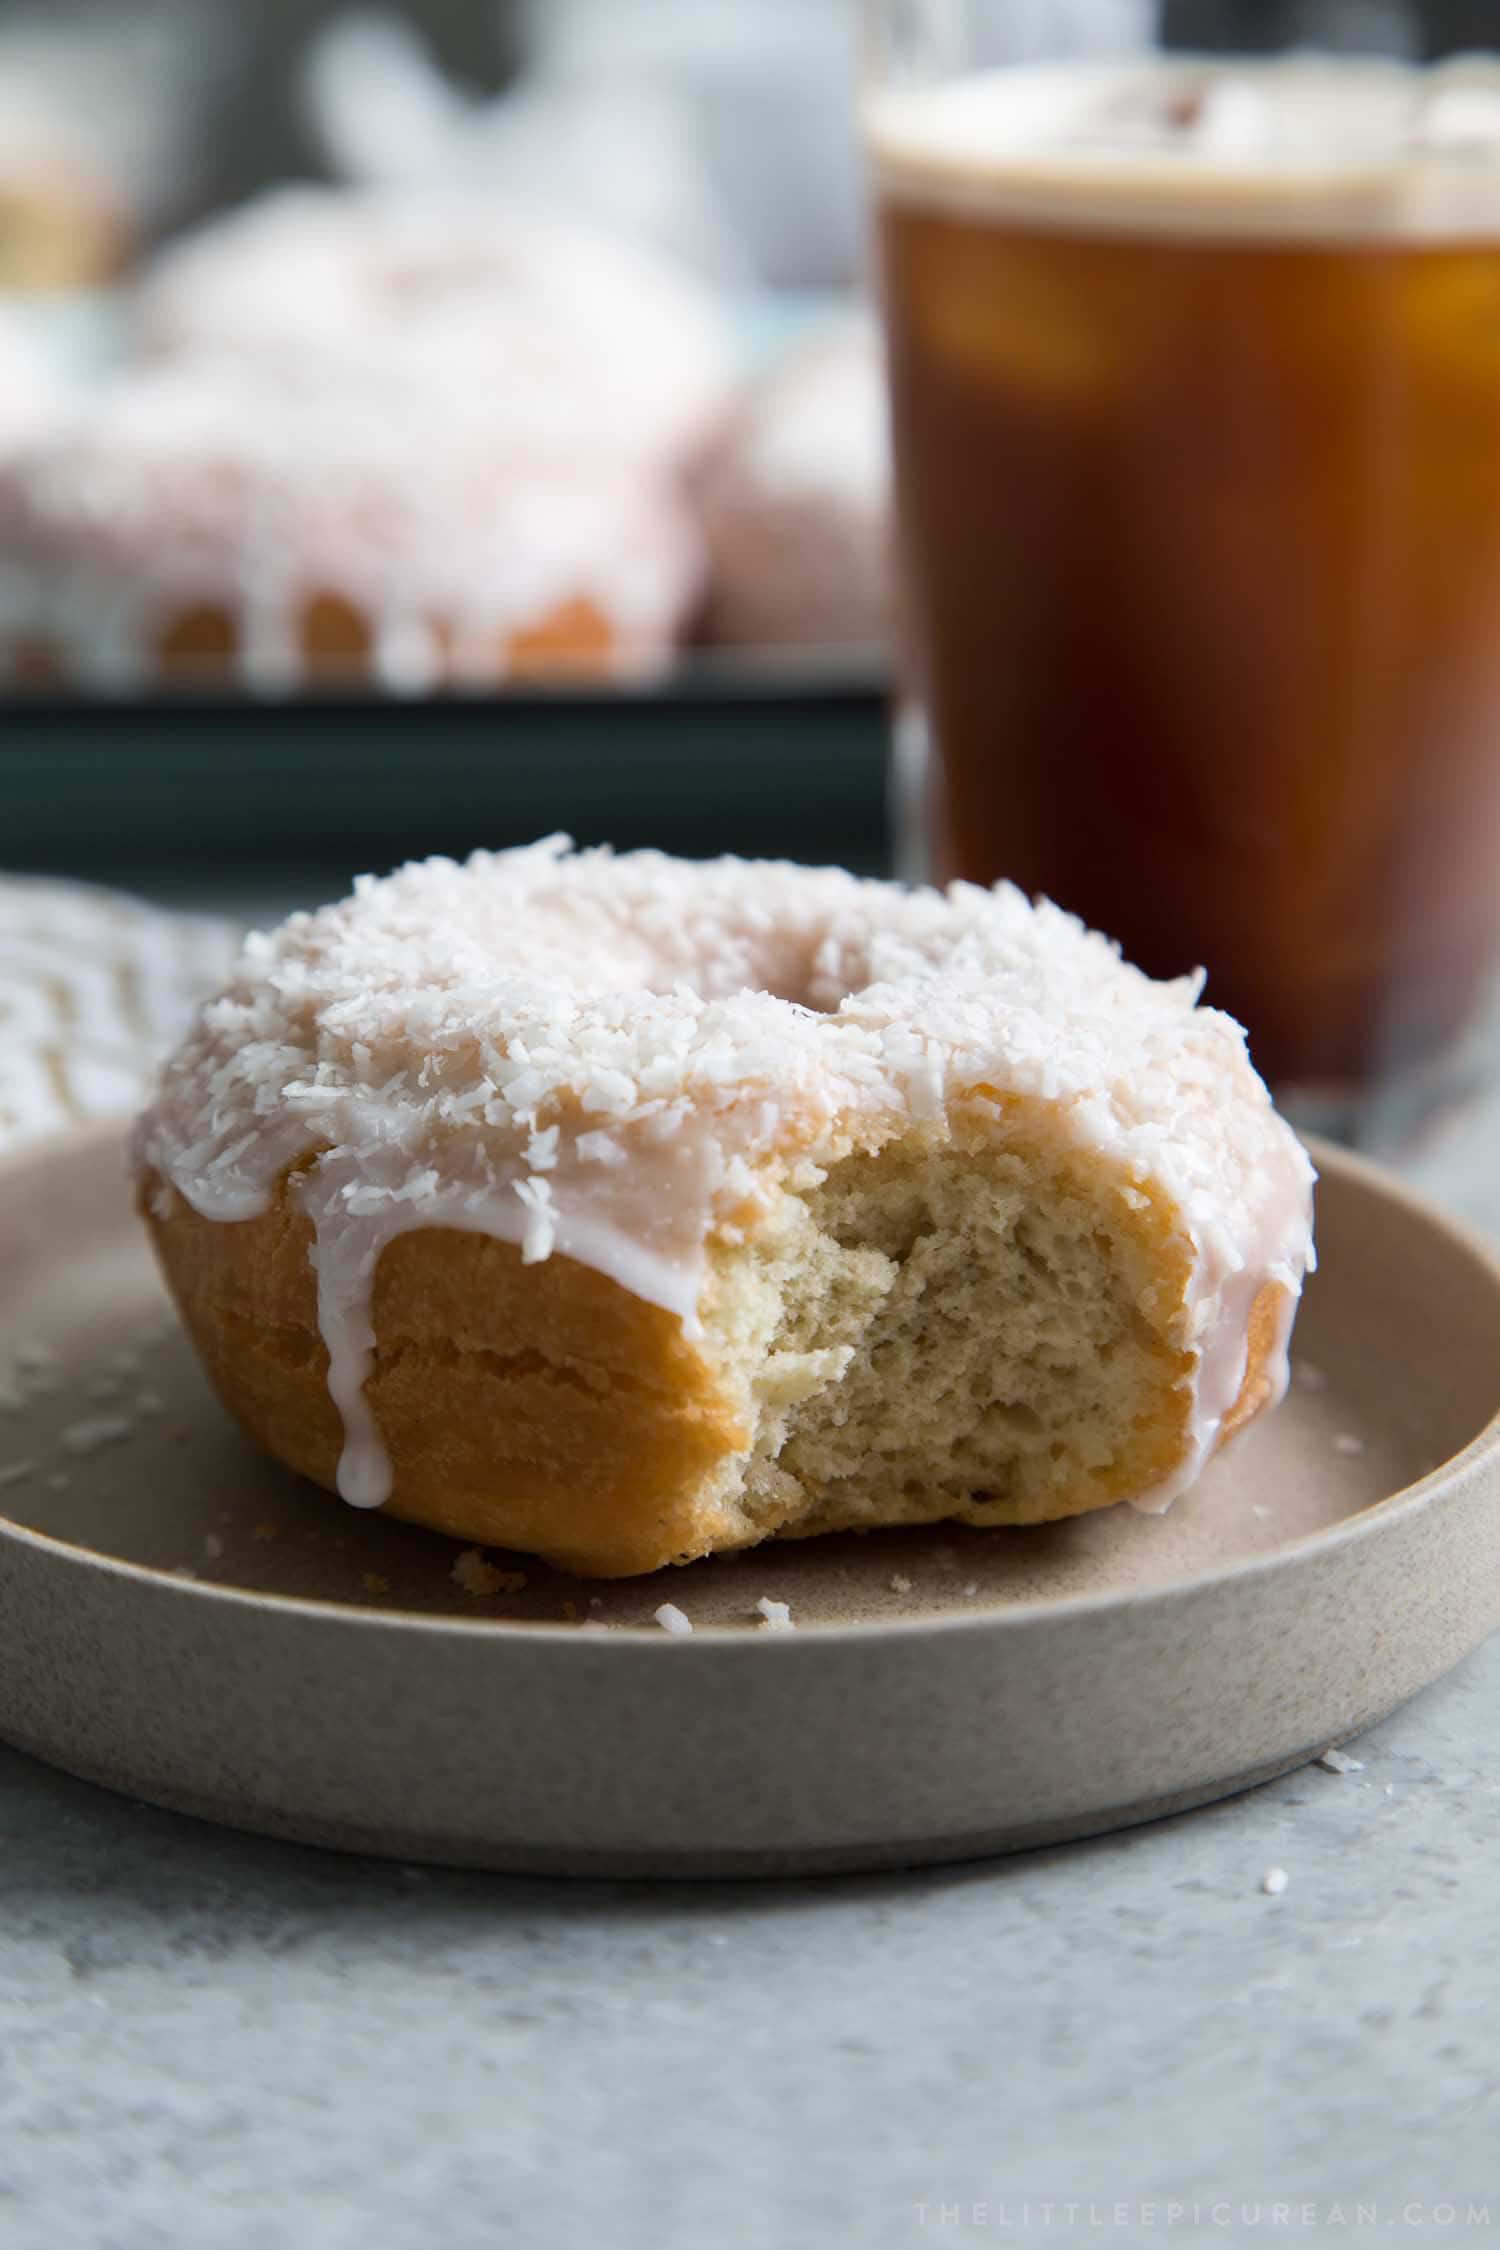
(941, 1331)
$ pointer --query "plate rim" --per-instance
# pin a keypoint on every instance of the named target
(1444, 1481)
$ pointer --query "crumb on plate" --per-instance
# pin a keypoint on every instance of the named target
(478, 1577)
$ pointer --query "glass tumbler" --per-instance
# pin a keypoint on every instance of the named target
(1193, 324)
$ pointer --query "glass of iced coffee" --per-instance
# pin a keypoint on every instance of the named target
(1195, 371)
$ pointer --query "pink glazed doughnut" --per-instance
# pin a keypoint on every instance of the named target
(566, 334)
(281, 523)
(624, 1210)
(795, 501)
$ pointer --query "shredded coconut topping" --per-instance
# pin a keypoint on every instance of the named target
(573, 330)
(616, 1058)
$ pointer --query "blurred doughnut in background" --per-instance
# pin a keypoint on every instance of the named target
(290, 522)
(569, 334)
(499, 398)
(796, 500)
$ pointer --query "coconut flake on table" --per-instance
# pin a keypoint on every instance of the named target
(671, 1619)
(776, 1616)
(1337, 1761)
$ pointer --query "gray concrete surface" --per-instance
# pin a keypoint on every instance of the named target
(207, 2040)
(210, 2040)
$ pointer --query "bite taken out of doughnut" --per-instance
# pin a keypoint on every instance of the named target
(623, 1210)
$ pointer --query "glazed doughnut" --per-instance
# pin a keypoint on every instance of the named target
(614, 345)
(94, 989)
(795, 501)
(621, 1210)
(209, 519)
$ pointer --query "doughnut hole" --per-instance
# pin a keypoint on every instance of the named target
(954, 1330)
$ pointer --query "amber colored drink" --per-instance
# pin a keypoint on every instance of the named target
(1199, 463)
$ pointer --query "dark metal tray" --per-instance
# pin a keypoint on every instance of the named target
(188, 797)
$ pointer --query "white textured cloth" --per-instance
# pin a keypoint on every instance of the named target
(94, 988)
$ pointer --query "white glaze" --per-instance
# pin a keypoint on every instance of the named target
(614, 1059)
(1226, 1281)
(629, 1243)
(252, 488)
(574, 338)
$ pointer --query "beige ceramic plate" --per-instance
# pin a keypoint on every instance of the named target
(180, 1620)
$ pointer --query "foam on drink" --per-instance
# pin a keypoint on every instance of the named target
(1304, 148)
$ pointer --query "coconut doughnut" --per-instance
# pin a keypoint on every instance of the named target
(796, 501)
(210, 519)
(613, 344)
(94, 989)
(621, 1210)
